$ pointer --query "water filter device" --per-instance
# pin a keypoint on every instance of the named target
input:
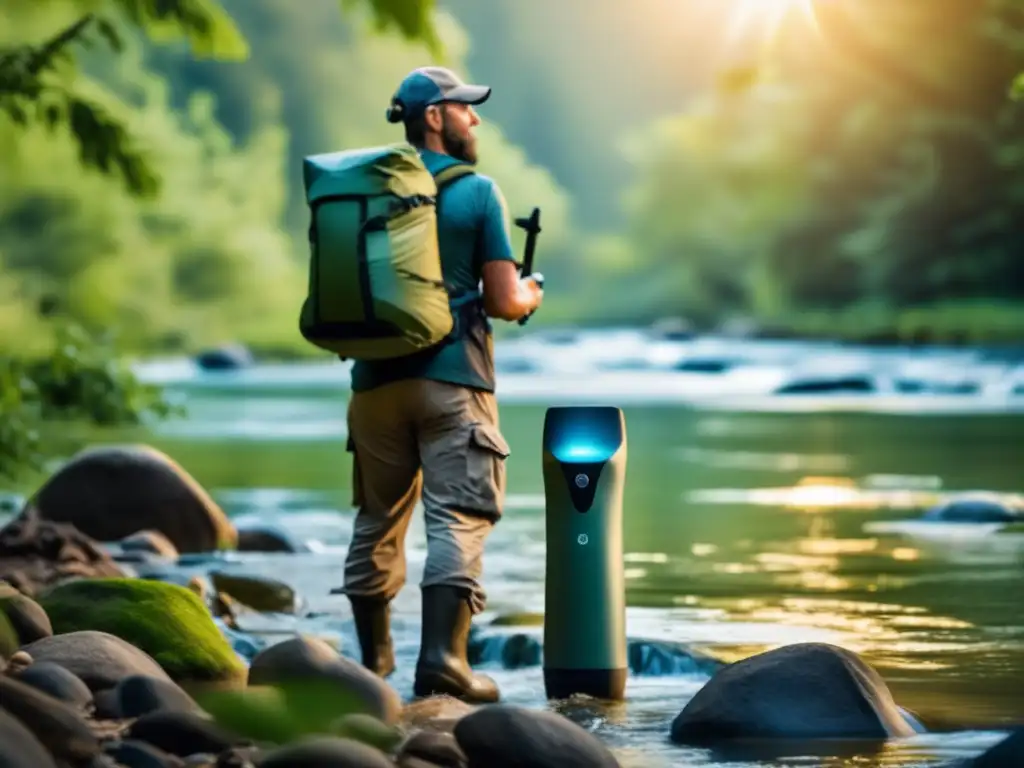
(584, 464)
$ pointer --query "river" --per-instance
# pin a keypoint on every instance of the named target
(744, 530)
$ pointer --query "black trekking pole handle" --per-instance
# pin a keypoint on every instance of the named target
(532, 226)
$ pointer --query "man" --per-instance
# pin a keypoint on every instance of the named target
(427, 425)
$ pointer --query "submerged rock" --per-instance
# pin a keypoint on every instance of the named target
(800, 691)
(652, 658)
(268, 539)
(974, 510)
(258, 592)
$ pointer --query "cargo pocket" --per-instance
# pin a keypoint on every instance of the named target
(485, 470)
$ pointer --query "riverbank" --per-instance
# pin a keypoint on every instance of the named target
(216, 673)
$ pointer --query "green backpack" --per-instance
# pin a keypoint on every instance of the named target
(375, 285)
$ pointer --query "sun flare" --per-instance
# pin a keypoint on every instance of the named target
(764, 18)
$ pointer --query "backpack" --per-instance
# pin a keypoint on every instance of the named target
(376, 290)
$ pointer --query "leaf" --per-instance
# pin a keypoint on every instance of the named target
(209, 29)
(1017, 88)
(109, 33)
(413, 19)
(104, 144)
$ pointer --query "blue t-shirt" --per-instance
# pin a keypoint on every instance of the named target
(473, 228)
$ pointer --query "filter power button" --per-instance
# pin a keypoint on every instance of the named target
(582, 481)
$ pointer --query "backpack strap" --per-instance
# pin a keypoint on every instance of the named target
(452, 173)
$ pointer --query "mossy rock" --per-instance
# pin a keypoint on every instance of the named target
(168, 622)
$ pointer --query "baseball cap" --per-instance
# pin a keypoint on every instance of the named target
(432, 85)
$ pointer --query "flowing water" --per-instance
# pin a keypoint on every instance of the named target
(743, 531)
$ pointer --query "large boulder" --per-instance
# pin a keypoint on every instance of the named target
(168, 622)
(110, 492)
(800, 691)
(36, 554)
(502, 736)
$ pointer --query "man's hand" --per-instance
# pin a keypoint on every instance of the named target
(508, 296)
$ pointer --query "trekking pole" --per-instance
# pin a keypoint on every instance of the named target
(532, 226)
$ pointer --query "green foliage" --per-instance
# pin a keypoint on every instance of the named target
(80, 379)
(167, 621)
(839, 179)
(287, 712)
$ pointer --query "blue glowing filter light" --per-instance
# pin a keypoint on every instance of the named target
(583, 434)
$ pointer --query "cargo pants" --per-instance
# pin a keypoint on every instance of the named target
(414, 439)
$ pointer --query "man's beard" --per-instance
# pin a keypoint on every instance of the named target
(460, 147)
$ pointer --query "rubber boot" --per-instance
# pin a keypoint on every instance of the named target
(442, 668)
(373, 628)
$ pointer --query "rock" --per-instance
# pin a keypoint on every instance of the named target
(168, 622)
(1008, 752)
(19, 748)
(305, 660)
(974, 510)
(54, 723)
(440, 749)
(27, 617)
(202, 760)
(139, 754)
(267, 539)
(150, 542)
(139, 695)
(100, 659)
(226, 358)
(800, 691)
(436, 713)
(511, 651)
(53, 680)
(410, 761)
(110, 492)
(239, 757)
(106, 705)
(257, 592)
(181, 733)
(325, 752)
(36, 554)
(505, 736)
(657, 658)
(368, 730)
